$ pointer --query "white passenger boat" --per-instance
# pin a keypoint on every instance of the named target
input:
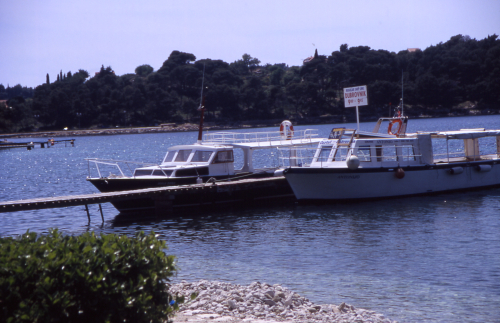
(353, 165)
(210, 160)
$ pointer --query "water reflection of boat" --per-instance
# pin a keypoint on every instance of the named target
(210, 160)
(354, 165)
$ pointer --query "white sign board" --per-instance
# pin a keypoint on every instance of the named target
(355, 96)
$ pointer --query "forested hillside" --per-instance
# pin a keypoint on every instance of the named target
(460, 76)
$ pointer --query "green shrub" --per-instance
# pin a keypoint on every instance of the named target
(88, 278)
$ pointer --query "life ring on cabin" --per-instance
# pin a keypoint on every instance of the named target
(391, 125)
(286, 129)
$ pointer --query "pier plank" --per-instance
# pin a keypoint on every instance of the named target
(97, 198)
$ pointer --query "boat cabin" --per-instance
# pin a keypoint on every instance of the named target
(192, 160)
(345, 148)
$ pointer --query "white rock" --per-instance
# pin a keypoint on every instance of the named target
(221, 301)
(231, 304)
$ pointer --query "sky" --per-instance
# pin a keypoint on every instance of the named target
(46, 36)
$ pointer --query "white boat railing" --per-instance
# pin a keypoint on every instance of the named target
(228, 137)
(304, 157)
(114, 163)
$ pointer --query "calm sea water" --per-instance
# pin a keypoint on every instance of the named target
(418, 259)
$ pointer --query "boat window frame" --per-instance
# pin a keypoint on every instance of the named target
(203, 159)
(319, 157)
(142, 172)
(162, 172)
(228, 159)
(407, 157)
(365, 148)
(393, 149)
(169, 153)
(340, 154)
(183, 154)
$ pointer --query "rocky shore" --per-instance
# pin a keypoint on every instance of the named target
(260, 303)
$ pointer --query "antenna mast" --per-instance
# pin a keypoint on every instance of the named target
(201, 108)
(402, 93)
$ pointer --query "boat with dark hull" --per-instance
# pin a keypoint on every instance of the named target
(208, 161)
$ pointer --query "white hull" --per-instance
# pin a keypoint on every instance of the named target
(338, 184)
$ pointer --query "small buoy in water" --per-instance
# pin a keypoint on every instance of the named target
(400, 173)
(353, 162)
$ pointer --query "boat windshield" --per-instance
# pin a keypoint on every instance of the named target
(323, 154)
(170, 156)
(202, 156)
(183, 155)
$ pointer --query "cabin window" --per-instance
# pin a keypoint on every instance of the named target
(323, 154)
(169, 156)
(389, 153)
(364, 153)
(336, 133)
(340, 154)
(142, 172)
(186, 172)
(407, 153)
(159, 172)
(202, 156)
(183, 155)
(224, 156)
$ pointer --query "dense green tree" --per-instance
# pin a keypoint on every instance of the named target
(144, 70)
(437, 80)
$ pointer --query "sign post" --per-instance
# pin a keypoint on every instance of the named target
(355, 97)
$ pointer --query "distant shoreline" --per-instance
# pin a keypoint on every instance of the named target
(113, 131)
(173, 128)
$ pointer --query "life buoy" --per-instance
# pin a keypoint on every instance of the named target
(286, 129)
(391, 125)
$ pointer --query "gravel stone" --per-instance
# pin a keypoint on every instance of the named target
(260, 303)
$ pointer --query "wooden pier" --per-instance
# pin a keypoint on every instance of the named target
(32, 144)
(157, 193)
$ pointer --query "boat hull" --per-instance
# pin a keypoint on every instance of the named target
(214, 196)
(334, 184)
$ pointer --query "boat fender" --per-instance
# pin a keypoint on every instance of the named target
(279, 173)
(483, 168)
(456, 170)
(400, 173)
(286, 129)
(199, 180)
(353, 162)
(398, 129)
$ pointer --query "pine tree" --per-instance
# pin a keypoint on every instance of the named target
(48, 80)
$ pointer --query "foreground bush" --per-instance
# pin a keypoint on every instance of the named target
(89, 278)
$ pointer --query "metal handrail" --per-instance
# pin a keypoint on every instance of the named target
(113, 162)
(308, 160)
(228, 137)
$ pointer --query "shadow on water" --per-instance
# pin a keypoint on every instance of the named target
(419, 208)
